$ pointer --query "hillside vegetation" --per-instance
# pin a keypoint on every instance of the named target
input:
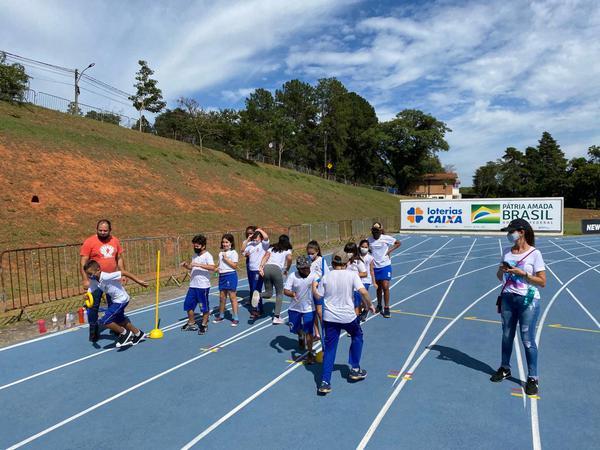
(82, 170)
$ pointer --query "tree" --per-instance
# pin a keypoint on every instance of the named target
(174, 124)
(358, 155)
(143, 125)
(148, 96)
(406, 142)
(512, 173)
(550, 175)
(202, 122)
(13, 80)
(257, 122)
(75, 110)
(486, 180)
(296, 105)
(104, 117)
(334, 118)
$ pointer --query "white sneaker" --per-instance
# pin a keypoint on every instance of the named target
(278, 321)
(255, 298)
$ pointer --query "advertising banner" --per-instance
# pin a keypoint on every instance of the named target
(489, 214)
(590, 226)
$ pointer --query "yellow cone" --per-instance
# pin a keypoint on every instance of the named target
(319, 357)
(157, 333)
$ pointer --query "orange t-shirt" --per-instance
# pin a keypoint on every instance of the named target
(105, 253)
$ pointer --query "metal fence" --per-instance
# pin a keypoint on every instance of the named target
(36, 276)
(64, 105)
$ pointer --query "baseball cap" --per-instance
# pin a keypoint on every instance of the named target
(517, 224)
(302, 262)
(340, 258)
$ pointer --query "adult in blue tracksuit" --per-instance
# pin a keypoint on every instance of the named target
(334, 299)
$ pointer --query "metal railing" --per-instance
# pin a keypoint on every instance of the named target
(64, 105)
(40, 275)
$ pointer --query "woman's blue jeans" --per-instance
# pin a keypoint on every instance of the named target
(514, 311)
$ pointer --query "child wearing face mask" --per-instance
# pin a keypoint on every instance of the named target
(381, 246)
(369, 280)
(254, 250)
(228, 279)
(301, 312)
(201, 268)
(523, 271)
(356, 264)
(319, 267)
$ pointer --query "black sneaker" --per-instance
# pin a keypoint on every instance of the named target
(531, 388)
(501, 374)
(137, 339)
(386, 313)
(324, 388)
(125, 339)
(363, 315)
(94, 333)
(189, 327)
(357, 374)
(203, 329)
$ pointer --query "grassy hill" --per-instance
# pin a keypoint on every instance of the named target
(82, 170)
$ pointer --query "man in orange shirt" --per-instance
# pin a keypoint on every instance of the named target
(107, 251)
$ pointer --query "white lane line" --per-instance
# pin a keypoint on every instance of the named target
(276, 380)
(369, 434)
(220, 345)
(433, 316)
(534, 413)
(535, 422)
(573, 296)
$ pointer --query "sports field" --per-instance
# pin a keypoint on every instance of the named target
(428, 370)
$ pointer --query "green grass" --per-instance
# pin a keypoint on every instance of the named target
(83, 169)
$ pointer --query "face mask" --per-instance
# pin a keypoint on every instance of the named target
(513, 237)
(197, 250)
(350, 255)
(304, 272)
(364, 251)
(376, 234)
(312, 257)
(226, 247)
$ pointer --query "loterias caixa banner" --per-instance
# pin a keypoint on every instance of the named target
(489, 214)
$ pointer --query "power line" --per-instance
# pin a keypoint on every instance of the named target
(106, 96)
(22, 58)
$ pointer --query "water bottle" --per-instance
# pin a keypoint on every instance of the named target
(85, 315)
(42, 326)
(54, 322)
(68, 320)
(530, 295)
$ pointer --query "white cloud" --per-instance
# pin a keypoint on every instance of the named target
(234, 96)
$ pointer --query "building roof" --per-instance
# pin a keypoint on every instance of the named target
(440, 176)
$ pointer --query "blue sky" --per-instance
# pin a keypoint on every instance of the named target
(499, 73)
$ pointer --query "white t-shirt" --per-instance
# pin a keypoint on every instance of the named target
(200, 278)
(338, 288)
(278, 258)
(302, 287)
(255, 252)
(368, 258)
(110, 284)
(532, 264)
(318, 265)
(357, 266)
(379, 249)
(231, 255)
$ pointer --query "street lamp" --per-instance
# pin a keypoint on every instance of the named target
(77, 78)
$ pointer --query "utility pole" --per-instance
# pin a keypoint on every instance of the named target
(77, 78)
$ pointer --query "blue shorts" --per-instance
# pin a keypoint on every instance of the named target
(358, 297)
(383, 273)
(114, 313)
(228, 281)
(194, 297)
(301, 321)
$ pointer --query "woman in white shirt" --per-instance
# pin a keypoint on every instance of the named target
(523, 271)
(381, 245)
(274, 265)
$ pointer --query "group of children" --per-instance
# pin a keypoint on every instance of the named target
(321, 299)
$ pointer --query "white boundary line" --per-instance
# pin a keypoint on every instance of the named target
(433, 316)
(535, 423)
